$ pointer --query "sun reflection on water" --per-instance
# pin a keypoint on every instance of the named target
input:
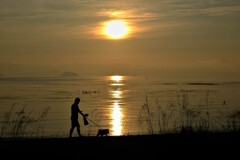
(117, 112)
(117, 94)
(116, 119)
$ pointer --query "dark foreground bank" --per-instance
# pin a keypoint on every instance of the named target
(152, 146)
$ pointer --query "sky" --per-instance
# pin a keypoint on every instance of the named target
(166, 37)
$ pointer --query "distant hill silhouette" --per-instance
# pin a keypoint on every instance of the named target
(69, 74)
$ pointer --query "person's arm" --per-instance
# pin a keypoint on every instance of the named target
(81, 113)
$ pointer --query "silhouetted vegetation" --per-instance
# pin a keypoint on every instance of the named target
(230, 120)
(180, 116)
(20, 123)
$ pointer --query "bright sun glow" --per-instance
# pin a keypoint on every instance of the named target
(116, 78)
(116, 29)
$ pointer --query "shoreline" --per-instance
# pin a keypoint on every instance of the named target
(137, 145)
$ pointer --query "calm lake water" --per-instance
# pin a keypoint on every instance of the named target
(127, 105)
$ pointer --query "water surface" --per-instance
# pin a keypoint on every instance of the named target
(127, 105)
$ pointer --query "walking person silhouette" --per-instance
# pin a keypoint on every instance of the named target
(74, 117)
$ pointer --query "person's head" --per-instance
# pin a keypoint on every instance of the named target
(77, 100)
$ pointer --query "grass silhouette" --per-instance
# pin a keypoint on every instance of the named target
(20, 123)
(180, 116)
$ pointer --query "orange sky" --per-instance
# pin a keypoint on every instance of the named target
(171, 36)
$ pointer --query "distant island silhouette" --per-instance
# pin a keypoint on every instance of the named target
(69, 74)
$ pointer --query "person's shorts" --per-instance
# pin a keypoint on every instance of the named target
(75, 123)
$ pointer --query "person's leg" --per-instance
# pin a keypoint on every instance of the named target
(71, 131)
(78, 131)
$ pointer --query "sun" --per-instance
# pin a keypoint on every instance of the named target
(116, 78)
(116, 29)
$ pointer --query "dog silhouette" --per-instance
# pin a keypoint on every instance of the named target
(102, 132)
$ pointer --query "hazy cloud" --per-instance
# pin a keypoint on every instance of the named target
(165, 32)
